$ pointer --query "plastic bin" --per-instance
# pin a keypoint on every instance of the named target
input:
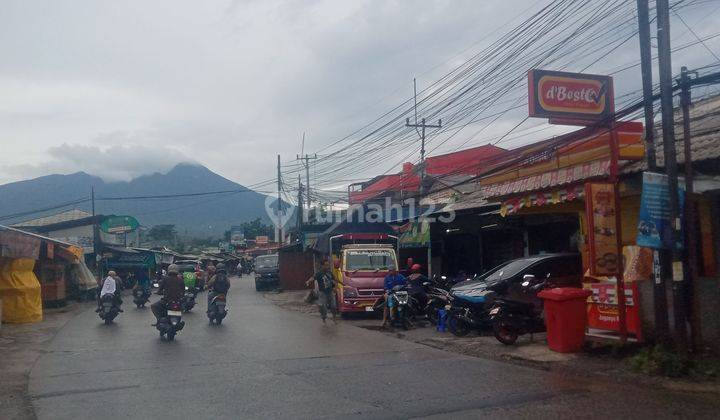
(565, 318)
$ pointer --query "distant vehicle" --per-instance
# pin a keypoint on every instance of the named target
(171, 323)
(267, 272)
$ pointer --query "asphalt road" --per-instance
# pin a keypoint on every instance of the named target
(266, 362)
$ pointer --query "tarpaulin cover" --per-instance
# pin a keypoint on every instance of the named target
(19, 291)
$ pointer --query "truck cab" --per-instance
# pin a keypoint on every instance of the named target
(361, 269)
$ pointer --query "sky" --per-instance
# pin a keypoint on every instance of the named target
(123, 88)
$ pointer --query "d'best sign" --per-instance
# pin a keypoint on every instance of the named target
(577, 97)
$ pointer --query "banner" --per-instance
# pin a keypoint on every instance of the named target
(601, 208)
(654, 222)
(418, 236)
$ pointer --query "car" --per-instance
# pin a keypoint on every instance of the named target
(560, 270)
(267, 272)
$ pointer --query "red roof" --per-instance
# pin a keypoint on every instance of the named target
(463, 162)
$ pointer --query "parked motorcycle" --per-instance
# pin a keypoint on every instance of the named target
(469, 311)
(171, 323)
(216, 310)
(108, 309)
(188, 301)
(511, 319)
(437, 297)
(141, 297)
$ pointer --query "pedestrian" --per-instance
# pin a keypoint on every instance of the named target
(326, 285)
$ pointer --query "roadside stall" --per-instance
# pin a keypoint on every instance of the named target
(126, 262)
(32, 270)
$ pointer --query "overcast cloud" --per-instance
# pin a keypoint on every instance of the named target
(121, 88)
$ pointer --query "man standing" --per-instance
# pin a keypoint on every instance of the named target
(391, 280)
(326, 285)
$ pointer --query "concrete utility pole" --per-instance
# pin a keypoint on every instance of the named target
(300, 205)
(691, 259)
(662, 326)
(421, 132)
(307, 158)
(668, 125)
(278, 228)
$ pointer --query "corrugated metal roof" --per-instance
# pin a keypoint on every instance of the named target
(705, 135)
(65, 216)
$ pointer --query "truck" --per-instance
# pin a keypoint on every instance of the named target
(361, 261)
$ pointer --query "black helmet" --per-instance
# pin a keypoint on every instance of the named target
(220, 267)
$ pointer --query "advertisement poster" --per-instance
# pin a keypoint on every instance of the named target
(654, 221)
(602, 233)
(603, 312)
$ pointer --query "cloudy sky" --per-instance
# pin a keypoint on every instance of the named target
(122, 88)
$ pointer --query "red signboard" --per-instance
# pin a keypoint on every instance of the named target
(570, 97)
(603, 312)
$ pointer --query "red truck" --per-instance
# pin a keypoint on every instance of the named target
(361, 262)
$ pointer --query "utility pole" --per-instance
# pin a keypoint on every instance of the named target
(278, 228)
(300, 205)
(96, 236)
(691, 259)
(662, 327)
(421, 132)
(668, 125)
(307, 158)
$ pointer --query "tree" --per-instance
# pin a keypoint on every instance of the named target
(162, 233)
(255, 228)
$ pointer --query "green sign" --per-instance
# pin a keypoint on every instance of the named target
(119, 224)
(418, 236)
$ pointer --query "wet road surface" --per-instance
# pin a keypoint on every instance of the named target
(266, 362)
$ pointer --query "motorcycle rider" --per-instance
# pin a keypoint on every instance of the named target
(325, 283)
(218, 284)
(173, 288)
(391, 280)
(110, 288)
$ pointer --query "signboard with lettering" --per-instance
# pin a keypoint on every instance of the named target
(262, 240)
(601, 209)
(570, 98)
(119, 224)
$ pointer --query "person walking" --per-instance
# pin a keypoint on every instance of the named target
(326, 285)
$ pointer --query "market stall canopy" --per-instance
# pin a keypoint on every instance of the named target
(16, 243)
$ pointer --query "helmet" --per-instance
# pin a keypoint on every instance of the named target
(112, 273)
(220, 267)
(416, 268)
(173, 268)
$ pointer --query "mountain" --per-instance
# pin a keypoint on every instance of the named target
(199, 216)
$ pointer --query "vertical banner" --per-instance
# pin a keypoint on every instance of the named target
(654, 222)
(600, 208)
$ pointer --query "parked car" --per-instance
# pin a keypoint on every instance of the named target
(472, 299)
(267, 272)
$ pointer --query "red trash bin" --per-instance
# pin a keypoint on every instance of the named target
(565, 318)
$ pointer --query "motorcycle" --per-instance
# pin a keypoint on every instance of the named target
(188, 301)
(468, 311)
(216, 310)
(437, 298)
(171, 323)
(401, 302)
(511, 319)
(141, 297)
(108, 309)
